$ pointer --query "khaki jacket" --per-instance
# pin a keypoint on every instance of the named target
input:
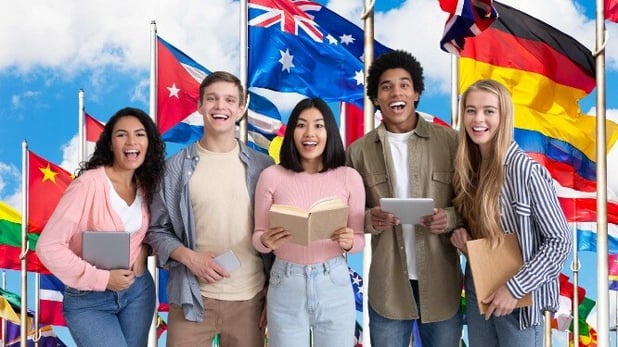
(431, 163)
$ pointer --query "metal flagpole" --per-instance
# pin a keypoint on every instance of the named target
(151, 260)
(369, 124)
(3, 340)
(23, 329)
(83, 156)
(575, 268)
(243, 133)
(602, 267)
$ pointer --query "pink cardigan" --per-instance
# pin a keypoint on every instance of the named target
(85, 205)
(277, 185)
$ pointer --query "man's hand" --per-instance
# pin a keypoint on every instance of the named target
(437, 222)
(203, 266)
(382, 220)
(459, 238)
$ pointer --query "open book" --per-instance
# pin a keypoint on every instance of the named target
(491, 268)
(323, 218)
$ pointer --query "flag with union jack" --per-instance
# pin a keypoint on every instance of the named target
(301, 46)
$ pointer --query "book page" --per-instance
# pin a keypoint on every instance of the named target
(327, 203)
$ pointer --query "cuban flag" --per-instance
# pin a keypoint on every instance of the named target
(178, 81)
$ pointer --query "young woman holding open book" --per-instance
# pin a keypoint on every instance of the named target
(108, 307)
(310, 285)
(501, 190)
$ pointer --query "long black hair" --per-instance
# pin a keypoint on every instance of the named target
(149, 174)
(334, 153)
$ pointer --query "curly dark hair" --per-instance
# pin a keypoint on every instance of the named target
(334, 152)
(148, 176)
(393, 60)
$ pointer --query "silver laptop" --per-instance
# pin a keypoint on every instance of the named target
(106, 250)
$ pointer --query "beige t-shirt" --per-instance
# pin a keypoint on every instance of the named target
(222, 209)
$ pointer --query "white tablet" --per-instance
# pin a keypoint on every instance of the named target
(106, 250)
(409, 210)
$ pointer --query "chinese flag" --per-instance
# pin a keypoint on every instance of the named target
(47, 182)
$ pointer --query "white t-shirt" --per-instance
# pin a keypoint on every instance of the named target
(398, 145)
(131, 215)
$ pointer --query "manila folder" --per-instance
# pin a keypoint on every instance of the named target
(491, 268)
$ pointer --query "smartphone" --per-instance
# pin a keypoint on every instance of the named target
(228, 261)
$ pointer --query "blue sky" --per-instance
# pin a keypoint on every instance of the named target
(52, 49)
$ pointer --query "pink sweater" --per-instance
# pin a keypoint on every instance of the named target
(85, 205)
(277, 185)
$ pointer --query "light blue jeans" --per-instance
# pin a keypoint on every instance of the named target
(317, 296)
(497, 331)
(111, 318)
(386, 332)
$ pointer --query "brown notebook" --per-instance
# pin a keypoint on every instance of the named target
(491, 268)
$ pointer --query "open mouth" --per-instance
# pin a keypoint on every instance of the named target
(310, 143)
(397, 106)
(131, 154)
(220, 116)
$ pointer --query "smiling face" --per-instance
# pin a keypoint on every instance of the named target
(481, 119)
(129, 143)
(310, 139)
(396, 97)
(220, 108)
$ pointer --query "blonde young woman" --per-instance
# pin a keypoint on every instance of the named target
(500, 189)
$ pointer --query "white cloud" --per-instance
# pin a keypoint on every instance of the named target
(10, 176)
(70, 155)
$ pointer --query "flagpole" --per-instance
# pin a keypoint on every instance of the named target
(369, 125)
(3, 340)
(602, 266)
(343, 126)
(151, 260)
(23, 329)
(82, 127)
(575, 266)
(37, 308)
(242, 124)
(455, 92)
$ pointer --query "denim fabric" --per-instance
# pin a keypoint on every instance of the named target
(111, 318)
(317, 296)
(385, 332)
(497, 331)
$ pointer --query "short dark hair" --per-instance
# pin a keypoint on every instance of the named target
(334, 153)
(222, 76)
(149, 174)
(393, 60)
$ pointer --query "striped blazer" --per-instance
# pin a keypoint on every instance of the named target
(529, 206)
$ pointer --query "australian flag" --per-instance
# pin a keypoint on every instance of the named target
(301, 46)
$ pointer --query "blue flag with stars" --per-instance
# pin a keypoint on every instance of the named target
(301, 46)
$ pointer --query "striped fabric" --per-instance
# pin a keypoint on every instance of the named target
(530, 208)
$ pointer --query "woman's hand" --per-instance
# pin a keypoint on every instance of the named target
(273, 238)
(120, 280)
(459, 238)
(344, 237)
(501, 303)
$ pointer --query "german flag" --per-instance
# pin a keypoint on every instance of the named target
(547, 72)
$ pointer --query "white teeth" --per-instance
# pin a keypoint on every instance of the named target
(131, 151)
(220, 116)
(479, 129)
(310, 143)
(398, 104)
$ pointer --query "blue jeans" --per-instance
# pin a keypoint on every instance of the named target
(386, 332)
(317, 296)
(111, 318)
(497, 331)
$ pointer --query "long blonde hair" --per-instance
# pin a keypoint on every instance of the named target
(477, 194)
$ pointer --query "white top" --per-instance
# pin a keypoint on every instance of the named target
(131, 215)
(398, 145)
